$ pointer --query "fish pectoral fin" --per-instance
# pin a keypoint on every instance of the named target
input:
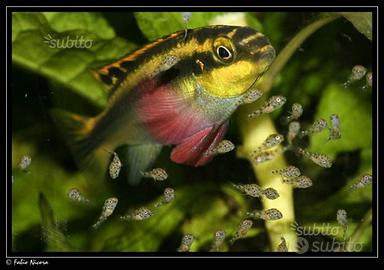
(139, 159)
(192, 151)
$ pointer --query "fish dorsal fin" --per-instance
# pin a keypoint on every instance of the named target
(113, 73)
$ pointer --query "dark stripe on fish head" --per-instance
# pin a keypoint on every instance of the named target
(235, 58)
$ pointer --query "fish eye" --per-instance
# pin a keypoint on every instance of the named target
(224, 50)
(224, 53)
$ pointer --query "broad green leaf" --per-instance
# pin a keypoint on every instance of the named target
(67, 48)
(22, 22)
(354, 110)
(157, 24)
(92, 22)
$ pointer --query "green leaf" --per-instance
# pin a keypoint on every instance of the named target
(66, 48)
(354, 110)
(362, 21)
(92, 22)
(157, 24)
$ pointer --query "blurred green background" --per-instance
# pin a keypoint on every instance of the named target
(44, 77)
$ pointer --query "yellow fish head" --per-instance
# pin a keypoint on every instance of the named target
(234, 58)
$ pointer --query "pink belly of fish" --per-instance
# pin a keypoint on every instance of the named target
(169, 119)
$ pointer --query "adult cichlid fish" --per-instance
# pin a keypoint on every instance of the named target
(178, 90)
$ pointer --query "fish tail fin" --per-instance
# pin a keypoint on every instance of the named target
(87, 149)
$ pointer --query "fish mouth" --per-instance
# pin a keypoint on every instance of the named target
(262, 53)
(265, 54)
(269, 54)
(265, 57)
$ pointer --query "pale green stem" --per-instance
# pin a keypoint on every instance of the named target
(255, 131)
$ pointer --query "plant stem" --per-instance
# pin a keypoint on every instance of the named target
(255, 131)
(294, 44)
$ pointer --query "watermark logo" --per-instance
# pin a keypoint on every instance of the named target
(68, 42)
(315, 229)
(303, 245)
(26, 262)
